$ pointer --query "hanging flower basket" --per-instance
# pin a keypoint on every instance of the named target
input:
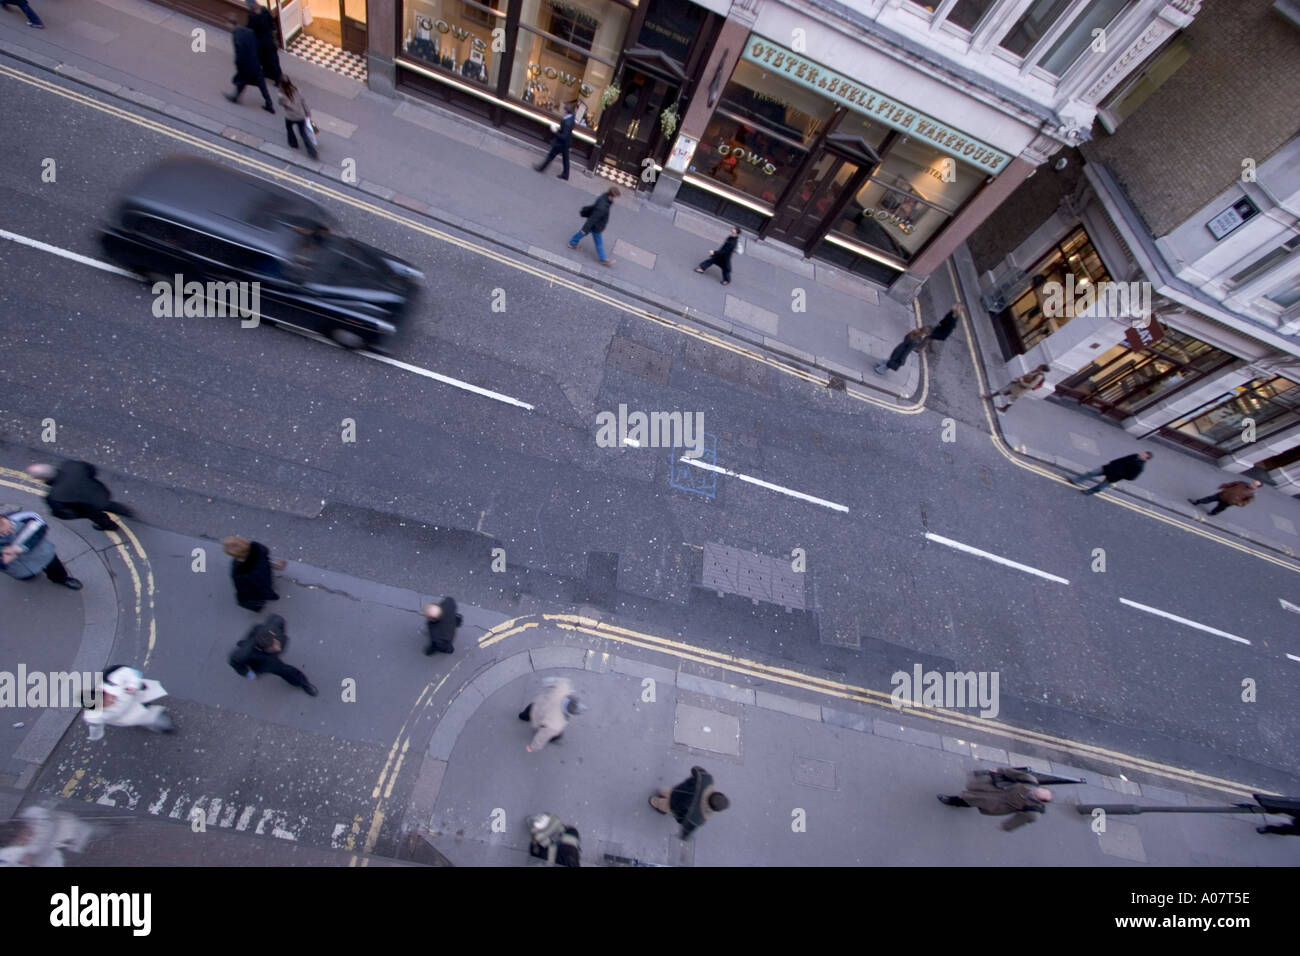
(668, 119)
(609, 96)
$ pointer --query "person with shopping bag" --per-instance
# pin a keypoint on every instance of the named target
(297, 113)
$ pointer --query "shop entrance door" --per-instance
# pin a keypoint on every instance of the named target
(816, 197)
(352, 21)
(636, 132)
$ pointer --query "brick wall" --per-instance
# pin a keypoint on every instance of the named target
(1025, 210)
(1237, 96)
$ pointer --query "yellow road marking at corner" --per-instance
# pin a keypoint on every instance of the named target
(1010, 455)
(73, 782)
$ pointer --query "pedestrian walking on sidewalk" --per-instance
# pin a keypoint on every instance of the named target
(25, 551)
(597, 219)
(251, 570)
(248, 67)
(1000, 792)
(913, 340)
(552, 840)
(42, 834)
(32, 19)
(941, 331)
(262, 24)
(1233, 494)
(1029, 382)
(722, 257)
(296, 114)
(1121, 469)
(561, 141)
(442, 621)
(691, 802)
(75, 493)
(259, 653)
(550, 711)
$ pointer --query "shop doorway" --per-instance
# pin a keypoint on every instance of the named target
(635, 130)
(823, 187)
(340, 23)
(352, 13)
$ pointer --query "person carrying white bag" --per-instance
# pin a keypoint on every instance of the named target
(297, 113)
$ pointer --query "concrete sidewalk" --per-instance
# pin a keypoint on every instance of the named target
(477, 181)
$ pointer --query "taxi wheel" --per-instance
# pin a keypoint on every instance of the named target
(349, 340)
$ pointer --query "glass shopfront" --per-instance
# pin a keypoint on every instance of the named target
(1123, 381)
(1025, 323)
(1219, 427)
(455, 36)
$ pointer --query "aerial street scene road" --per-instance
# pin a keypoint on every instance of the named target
(675, 433)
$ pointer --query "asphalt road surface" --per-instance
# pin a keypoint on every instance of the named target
(210, 423)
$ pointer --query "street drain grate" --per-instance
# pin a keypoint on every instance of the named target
(641, 360)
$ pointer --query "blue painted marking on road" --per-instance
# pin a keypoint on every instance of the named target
(701, 481)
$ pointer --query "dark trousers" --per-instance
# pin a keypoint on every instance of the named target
(957, 802)
(899, 356)
(25, 8)
(557, 149)
(55, 571)
(290, 673)
(723, 262)
(71, 512)
(1221, 506)
(241, 81)
(293, 140)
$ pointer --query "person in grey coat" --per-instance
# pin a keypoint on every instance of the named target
(597, 215)
(296, 114)
(25, 551)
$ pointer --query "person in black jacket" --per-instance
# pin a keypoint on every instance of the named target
(442, 623)
(75, 493)
(248, 65)
(722, 257)
(597, 219)
(691, 802)
(259, 653)
(263, 25)
(251, 569)
(1121, 469)
(947, 325)
(561, 140)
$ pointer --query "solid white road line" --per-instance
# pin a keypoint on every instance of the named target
(1293, 657)
(939, 539)
(65, 253)
(1183, 620)
(763, 484)
(109, 267)
(1287, 605)
(447, 380)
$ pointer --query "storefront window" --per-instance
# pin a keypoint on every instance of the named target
(908, 199)
(1025, 323)
(454, 35)
(781, 105)
(1124, 381)
(1272, 404)
(566, 51)
(670, 26)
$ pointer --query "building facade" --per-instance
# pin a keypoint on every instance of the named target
(1188, 196)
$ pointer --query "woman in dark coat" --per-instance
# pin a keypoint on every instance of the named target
(251, 570)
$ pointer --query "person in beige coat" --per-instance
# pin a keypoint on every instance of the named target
(1000, 792)
(1233, 494)
(550, 711)
(296, 113)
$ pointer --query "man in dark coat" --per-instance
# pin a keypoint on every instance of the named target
(691, 802)
(597, 219)
(1234, 493)
(561, 140)
(722, 257)
(947, 325)
(251, 570)
(996, 793)
(259, 653)
(442, 621)
(1121, 469)
(75, 493)
(248, 65)
(262, 24)
(913, 340)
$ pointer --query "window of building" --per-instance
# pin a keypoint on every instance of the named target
(968, 13)
(1025, 323)
(454, 35)
(1265, 262)
(1217, 428)
(575, 27)
(1098, 15)
(671, 26)
(1035, 24)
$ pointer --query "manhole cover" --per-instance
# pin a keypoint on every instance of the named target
(640, 360)
(811, 772)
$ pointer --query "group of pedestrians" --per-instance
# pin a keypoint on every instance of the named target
(257, 60)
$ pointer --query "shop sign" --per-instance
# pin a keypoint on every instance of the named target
(560, 76)
(1140, 338)
(740, 154)
(1232, 217)
(682, 152)
(876, 105)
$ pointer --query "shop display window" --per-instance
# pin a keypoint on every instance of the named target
(454, 35)
(746, 158)
(1272, 404)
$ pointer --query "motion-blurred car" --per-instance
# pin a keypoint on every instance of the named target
(210, 223)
